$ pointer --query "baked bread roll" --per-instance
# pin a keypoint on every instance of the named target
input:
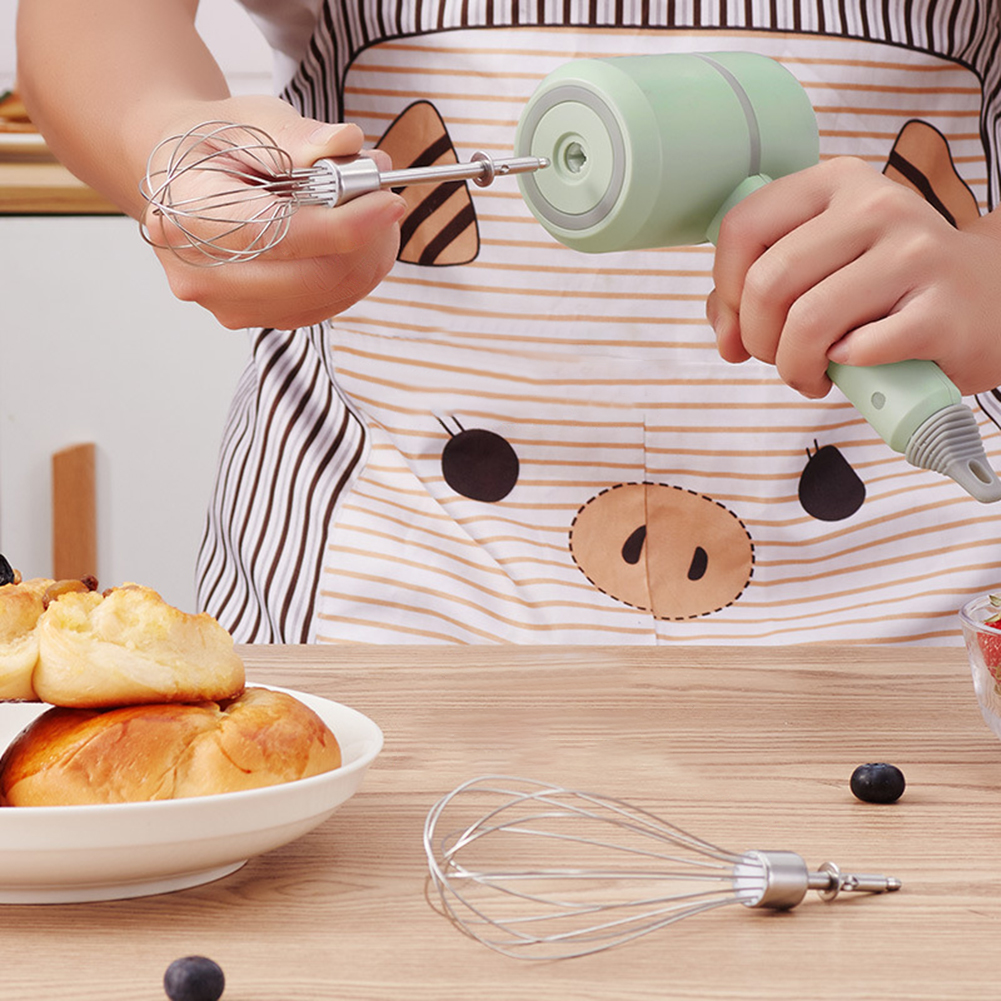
(128, 647)
(168, 751)
(21, 606)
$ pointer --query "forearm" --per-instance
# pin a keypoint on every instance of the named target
(105, 80)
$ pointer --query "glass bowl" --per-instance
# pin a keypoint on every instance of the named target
(983, 645)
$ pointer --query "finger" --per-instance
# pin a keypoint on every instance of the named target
(877, 342)
(856, 295)
(919, 325)
(755, 224)
(800, 260)
(727, 330)
(282, 294)
(317, 231)
(344, 141)
(771, 212)
(906, 333)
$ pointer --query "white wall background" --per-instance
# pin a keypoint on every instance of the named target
(93, 347)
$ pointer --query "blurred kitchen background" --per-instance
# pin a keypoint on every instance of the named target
(95, 349)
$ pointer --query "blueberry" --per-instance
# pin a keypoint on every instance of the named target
(6, 573)
(194, 978)
(878, 783)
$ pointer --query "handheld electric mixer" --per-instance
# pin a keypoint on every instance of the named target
(652, 151)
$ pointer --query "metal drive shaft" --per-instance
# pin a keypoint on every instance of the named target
(333, 181)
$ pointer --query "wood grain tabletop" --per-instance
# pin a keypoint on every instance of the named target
(748, 748)
(47, 188)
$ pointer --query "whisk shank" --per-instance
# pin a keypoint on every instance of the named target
(859, 882)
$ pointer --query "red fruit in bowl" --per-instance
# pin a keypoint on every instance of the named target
(990, 640)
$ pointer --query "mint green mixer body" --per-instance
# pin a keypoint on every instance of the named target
(652, 151)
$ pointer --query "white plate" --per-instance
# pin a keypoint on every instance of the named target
(66, 854)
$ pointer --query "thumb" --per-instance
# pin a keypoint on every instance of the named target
(312, 139)
(308, 140)
(305, 140)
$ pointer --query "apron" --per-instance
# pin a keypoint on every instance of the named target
(511, 441)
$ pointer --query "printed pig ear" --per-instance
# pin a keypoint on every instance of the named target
(440, 224)
(921, 159)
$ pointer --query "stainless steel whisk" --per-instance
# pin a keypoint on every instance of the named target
(254, 189)
(537, 871)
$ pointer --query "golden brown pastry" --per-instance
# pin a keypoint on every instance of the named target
(21, 606)
(167, 751)
(128, 646)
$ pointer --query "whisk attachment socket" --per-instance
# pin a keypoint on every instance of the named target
(538, 871)
(223, 192)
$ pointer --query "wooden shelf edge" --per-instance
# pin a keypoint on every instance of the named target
(48, 189)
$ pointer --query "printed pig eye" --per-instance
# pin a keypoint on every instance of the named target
(829, 489)
(479, 464)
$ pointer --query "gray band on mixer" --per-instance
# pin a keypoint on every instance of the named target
(753, 130)
(545, 208)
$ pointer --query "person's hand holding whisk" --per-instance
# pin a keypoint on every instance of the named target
(328, 258)
(143, 74)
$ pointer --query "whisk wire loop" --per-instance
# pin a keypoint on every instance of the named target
(216, 219)
(520, 934)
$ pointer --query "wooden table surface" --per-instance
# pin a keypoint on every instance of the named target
(749, 748)
(47, 188)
